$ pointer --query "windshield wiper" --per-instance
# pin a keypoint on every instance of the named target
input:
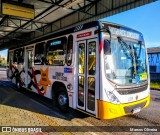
(122, 42)
(140, 43)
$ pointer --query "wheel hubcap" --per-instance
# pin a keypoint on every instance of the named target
(62, 99)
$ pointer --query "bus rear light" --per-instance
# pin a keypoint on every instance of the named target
(112, 98)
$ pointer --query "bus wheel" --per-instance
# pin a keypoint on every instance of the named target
(62, 100)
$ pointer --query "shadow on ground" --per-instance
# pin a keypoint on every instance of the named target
(30, 101)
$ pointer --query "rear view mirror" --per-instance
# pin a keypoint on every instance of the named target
(107, 47)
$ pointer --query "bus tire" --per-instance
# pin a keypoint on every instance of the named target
(62, 99)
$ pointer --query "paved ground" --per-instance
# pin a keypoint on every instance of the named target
(3, 74)
(28, 109)
(3, 69)
(155, 95)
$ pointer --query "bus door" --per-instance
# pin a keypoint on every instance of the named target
(87, 75)
(28, 64)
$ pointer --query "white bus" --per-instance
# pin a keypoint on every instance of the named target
(99, 68)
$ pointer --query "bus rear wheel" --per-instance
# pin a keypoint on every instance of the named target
(62, 100)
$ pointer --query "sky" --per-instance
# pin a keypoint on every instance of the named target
(145, 19)
(3, 53)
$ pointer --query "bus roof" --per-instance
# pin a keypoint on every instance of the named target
(71, 30)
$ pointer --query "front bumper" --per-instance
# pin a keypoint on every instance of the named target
(107, 110)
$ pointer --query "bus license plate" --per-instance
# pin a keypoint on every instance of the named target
(136, 110)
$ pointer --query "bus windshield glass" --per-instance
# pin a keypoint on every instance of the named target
(126, 64)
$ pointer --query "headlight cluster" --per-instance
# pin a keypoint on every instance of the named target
(112, 97)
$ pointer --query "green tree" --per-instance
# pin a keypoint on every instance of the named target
(1, 59)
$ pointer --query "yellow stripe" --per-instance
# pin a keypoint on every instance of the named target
(51, 123)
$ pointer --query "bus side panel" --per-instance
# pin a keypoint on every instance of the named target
(44, 76)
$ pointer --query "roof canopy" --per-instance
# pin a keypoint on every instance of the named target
(53, 15)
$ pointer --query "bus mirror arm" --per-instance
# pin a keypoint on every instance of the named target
(107, 47)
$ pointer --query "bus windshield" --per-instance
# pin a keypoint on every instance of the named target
(126, 63)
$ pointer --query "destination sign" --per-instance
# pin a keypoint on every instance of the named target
(55, 43)
(86, 34)
(124, 33)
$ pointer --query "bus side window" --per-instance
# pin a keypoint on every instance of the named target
(18, 56)
(56, 51)
(39, 58)
(69, 50)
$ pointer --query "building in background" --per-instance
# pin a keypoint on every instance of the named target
(154, 62)
(154, 66)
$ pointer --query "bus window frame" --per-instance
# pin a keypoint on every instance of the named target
(17, 61)
(69, 47)
(64, 43)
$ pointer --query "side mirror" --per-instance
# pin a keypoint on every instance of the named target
(107, 47)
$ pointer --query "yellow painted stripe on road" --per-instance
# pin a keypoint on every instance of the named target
(51, 123)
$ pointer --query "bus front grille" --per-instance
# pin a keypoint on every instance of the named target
(129, 109)
(126, 91)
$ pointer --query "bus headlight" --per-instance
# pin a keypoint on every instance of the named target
(112, 97)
